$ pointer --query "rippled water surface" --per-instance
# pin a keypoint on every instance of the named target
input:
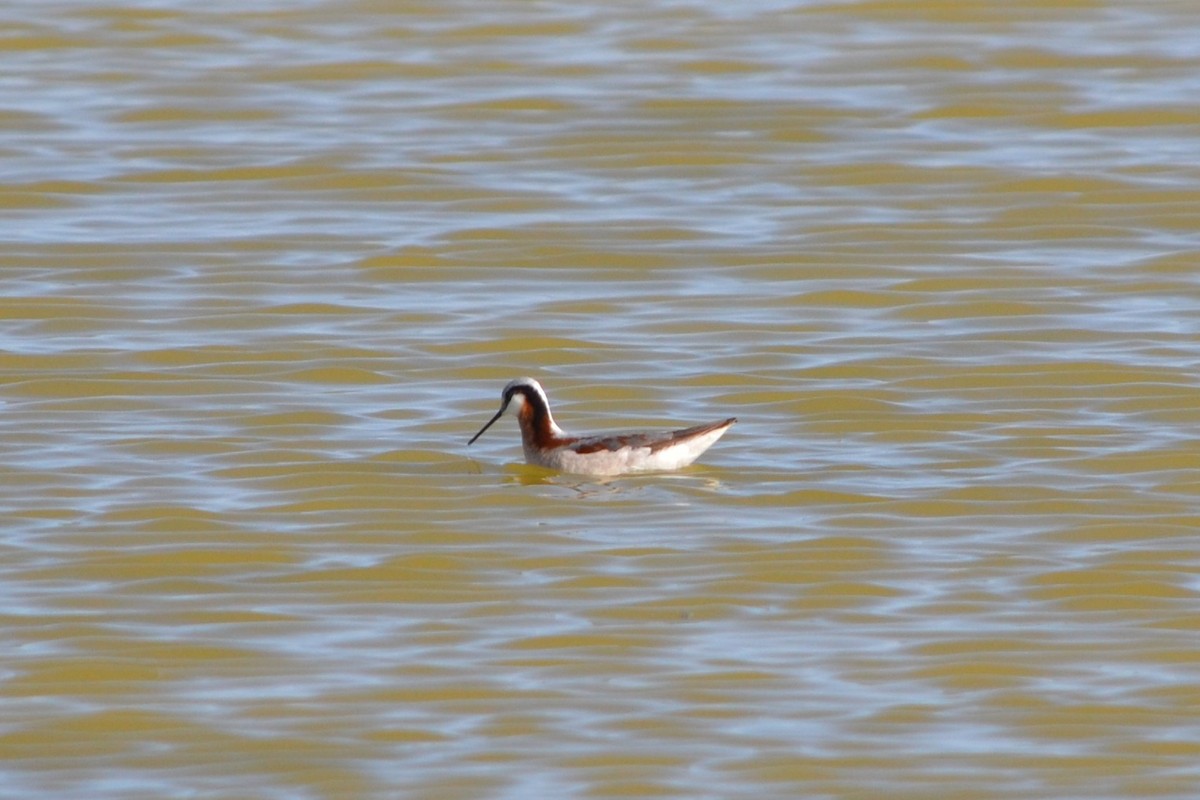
(266, 267)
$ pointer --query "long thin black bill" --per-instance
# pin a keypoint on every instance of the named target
(499, 414)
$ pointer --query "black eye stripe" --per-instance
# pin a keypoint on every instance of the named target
(524, 391)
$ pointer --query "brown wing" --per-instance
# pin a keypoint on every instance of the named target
(688, 433)
(598, 444)
(655, 441)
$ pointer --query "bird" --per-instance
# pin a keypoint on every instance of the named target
(548, 445)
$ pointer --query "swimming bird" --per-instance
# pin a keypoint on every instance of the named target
(548, 445)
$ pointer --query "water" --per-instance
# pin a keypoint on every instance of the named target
(266, 269)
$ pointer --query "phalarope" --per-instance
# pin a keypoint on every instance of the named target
(548, 445)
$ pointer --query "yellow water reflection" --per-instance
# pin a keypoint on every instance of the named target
(265, 271)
